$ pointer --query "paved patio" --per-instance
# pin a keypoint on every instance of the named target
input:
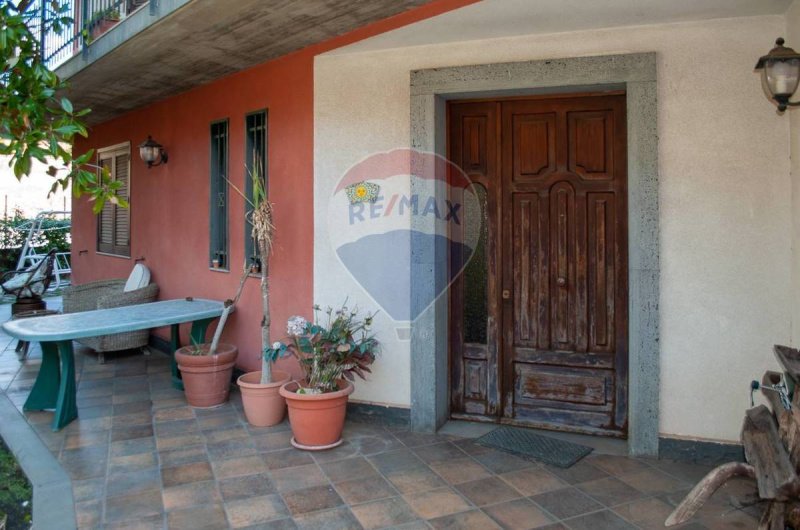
(139, 457)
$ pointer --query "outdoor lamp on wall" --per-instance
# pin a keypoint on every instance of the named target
(781, 71)
(152, 153)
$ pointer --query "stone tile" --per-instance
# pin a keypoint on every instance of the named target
(129, 420)
(471, 520)
(88, 513)
(173, 414)
(278, 524)
(130, 397)
(135, 407)
(246, 486)
(487, 491)
(191, 494)
(653, 482)
(567, 502)
(348, 469)
(440, 452)
(187, 455)
(362, 489)
(533, 481)
(580, 472)
(396, 461)
(373, 444)
(151, 522)
(211, 517)
(416, 439)
(273, 441)
(460, 470)
(311, 499)
(436, 503)
(606, 520)
(610, 491)
(186, 473)
(236, 467)
(84, 463)
(133, 447)
(385, 513)
(231, 448)
(127, 482)
(218, 421)
(348, 449)
(519, 514)
(86, 439)
(415, 479)
(131, 432)
(299, 477)
(287, 458)
(134, 506)
(133, 462)
(617, 465)
(645, 513)
(165, 443)
(228, 433)
(340, 518)
(177, 428)
(89, 489)
(254, 510)
(731, 520)
(99, 411)
(499, 462)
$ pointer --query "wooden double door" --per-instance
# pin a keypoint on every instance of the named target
(539, 316)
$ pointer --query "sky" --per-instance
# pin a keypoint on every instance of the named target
(29, 194)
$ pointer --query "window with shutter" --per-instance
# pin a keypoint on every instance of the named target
(256, 161)
(114, 222)
(218, 196)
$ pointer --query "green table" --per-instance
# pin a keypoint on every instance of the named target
(55, 385)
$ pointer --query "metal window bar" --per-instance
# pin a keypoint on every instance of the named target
(218, 196)
(255, 160)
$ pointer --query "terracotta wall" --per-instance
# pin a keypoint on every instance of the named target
(170, 203)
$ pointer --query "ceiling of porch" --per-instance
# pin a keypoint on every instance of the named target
(202, 41)
(490, 19)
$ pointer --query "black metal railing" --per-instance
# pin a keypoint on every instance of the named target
(90, 20)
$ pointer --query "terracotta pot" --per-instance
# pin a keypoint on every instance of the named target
(263, 404)
(207, 378)
(317, 420)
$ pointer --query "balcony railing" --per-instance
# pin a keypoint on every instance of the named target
(91, 19)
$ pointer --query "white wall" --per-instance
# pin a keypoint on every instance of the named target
(793, 40)
(31, 193)
(724, 186)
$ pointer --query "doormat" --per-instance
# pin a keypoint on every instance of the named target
(532, 446)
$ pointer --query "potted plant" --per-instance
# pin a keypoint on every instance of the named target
(263, 405)
(331, 355)
(207, 369)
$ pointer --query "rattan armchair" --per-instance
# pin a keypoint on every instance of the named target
(106, 294)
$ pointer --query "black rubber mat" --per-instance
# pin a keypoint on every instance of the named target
(533, 446)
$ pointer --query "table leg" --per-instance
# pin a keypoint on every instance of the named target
(55, 384)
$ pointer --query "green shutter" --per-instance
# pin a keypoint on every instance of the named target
(218, 195)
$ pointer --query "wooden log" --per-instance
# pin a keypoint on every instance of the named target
(789, 359)
(775, 473)
(788, 421)
(704, 489)
(773, 517)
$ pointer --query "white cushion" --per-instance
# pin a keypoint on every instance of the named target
(140, 277)
(22, 278)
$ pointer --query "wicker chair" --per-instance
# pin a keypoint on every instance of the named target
(106, 294)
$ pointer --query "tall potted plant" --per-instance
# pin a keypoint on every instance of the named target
(263, 405)
(331, 355)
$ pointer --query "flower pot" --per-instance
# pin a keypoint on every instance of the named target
(206, 378)
(263, 404)
(317, 420)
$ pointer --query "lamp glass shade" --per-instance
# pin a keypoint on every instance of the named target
(149, 153)
(782, 76)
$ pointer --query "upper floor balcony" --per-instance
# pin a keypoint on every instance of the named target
(119, 55)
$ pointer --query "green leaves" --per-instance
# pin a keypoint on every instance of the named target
(35, 124)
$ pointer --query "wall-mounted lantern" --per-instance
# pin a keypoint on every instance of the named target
(781, 71)
(152, 153)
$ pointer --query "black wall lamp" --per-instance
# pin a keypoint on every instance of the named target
(152, 153)
(781, 71)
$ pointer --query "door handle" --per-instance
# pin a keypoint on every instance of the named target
(561, 282)
(506, 294)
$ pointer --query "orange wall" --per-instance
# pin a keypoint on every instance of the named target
(170, 203)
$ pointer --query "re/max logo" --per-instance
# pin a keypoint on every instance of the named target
(400, 205)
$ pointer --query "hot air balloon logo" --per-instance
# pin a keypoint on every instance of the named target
(392, 206)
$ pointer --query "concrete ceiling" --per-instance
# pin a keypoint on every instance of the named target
(507, 18)
(208, 39)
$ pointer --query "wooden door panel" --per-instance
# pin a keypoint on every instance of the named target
(591, 142)
(535, 130)
(568, 387)
(530, 270)
(601, 261)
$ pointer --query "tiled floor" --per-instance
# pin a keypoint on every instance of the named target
(140, 457)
